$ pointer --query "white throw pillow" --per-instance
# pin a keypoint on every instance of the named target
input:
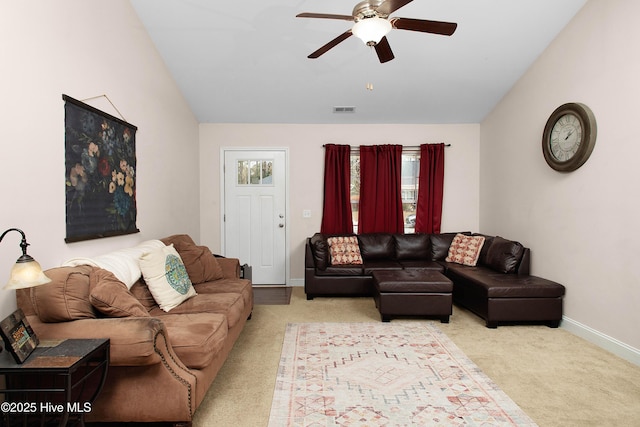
(166, 277)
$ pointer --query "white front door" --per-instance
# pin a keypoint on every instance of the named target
(254, 215)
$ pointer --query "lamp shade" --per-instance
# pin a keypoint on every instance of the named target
(371, 30)
(26, 273)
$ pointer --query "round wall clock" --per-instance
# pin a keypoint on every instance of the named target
(569, 137)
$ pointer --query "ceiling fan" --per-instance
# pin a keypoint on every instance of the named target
(372, 24)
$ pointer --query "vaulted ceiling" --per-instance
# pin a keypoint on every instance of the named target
(246, 61)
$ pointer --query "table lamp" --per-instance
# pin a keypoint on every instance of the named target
(26, 272)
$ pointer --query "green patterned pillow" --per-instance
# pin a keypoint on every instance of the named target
(166, 276)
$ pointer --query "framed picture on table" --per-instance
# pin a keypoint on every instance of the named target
(19, 338)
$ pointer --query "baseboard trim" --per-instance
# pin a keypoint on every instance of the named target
(602, 340)
(296, 282)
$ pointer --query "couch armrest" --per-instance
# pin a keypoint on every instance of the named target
(230, 267)
(133, 339)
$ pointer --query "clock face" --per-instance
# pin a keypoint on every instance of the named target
(569, 137)
(565, 138)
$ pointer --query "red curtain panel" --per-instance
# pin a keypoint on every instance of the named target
(430, 188)
(336, 212)
(380, 208)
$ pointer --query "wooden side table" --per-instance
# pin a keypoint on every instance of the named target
(59, 380)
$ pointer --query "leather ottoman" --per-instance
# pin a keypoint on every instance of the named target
(412, 293)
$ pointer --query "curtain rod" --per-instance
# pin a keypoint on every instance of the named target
(404, 146)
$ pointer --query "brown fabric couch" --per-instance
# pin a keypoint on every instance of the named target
(161, 363)
(499, 288)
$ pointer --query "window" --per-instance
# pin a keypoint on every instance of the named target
(409, 174)
(255, 172)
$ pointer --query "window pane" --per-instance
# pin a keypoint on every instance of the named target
(355, 189)
(254, 167)
(409, 188)
(243, 172)
(267, 172)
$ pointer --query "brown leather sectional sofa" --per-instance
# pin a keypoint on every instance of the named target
(161, 363)
(499, 288)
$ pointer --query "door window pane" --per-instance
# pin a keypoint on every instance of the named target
(267, 172)
(243, 172)
(254, 168)
(255, 172)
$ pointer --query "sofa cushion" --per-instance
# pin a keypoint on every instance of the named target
(500, 285)
(510, 286)
(230, 304)
(341, 270)
(166, 277)
(111, 297)
(482, 259)
(504, 255)
(465, 249)
(377, 246)
(66, 297)
(199, 261)
(344, 250)
(222, 286)
(412, 246)
(141, 292)
(196, 337)
(380, 265)
(440, 244)
(421, 265)
(175, 238)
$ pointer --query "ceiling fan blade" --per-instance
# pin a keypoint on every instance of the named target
(424, 26)
(390, 6)
(383, 49)
(324, 16)
(342, 37)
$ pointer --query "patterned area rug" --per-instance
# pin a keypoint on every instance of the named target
(383, 374)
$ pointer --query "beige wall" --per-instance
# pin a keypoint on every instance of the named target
(306, 157)
(86, 49)
(581, 226)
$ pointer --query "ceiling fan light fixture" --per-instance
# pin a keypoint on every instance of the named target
(371, 30)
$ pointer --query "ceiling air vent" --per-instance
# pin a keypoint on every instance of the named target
(344, 109)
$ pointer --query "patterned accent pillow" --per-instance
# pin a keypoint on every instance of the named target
(166, 276)
(344, 250)
(465, 249)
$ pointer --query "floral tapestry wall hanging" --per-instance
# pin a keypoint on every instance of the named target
(100, 174)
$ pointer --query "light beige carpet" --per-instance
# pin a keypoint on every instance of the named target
(557, 378)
